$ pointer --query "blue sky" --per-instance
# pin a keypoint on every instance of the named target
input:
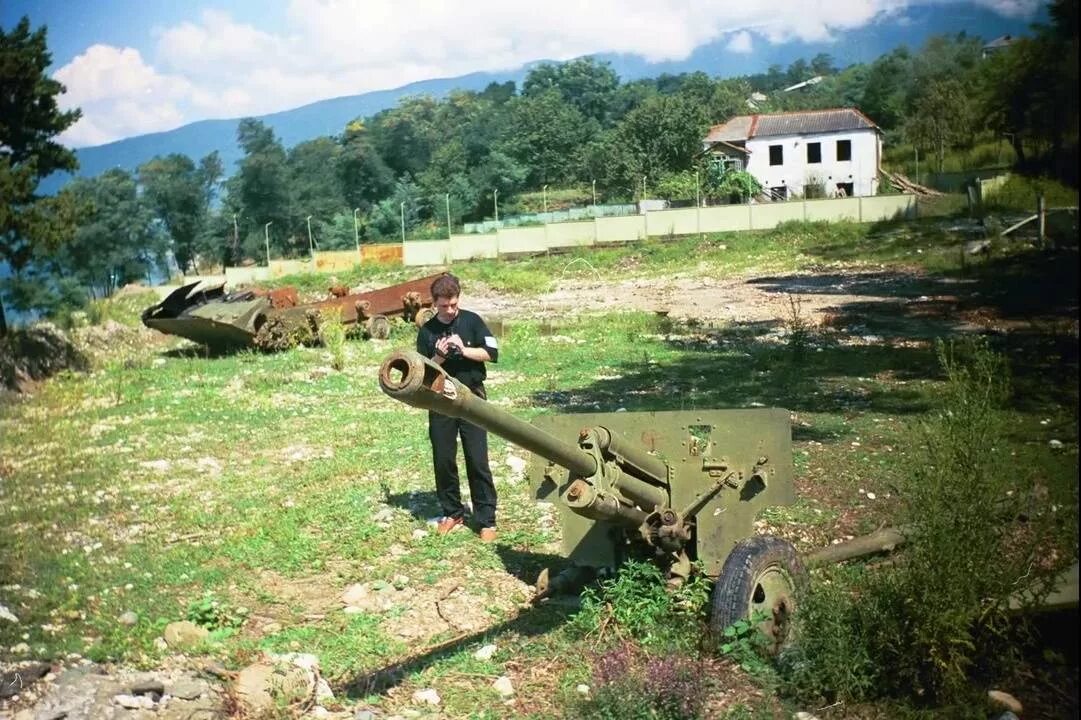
(138, 67)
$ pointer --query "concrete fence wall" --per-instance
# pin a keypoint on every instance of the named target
(608, 230)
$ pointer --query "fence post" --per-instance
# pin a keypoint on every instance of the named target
(1041, 219)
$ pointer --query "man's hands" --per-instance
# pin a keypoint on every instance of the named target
(443, 345)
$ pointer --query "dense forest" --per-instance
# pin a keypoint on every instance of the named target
(570, 130)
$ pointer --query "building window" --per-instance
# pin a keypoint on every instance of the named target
(776, 155)
(844, 150)
(814, 153)
(845, 190)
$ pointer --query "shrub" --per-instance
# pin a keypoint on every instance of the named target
(637, 603)
(926, 625)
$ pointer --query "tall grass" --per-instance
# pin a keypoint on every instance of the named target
(979, 532)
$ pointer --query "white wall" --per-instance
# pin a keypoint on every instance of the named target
(861, 170)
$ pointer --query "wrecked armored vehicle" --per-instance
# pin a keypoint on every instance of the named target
(275, 320)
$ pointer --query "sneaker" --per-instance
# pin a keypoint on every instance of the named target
(488, 534)
(447, 524)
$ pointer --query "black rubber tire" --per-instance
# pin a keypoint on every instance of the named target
(379, 327)
(761, 573)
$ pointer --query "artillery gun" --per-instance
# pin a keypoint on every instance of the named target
(681, 487)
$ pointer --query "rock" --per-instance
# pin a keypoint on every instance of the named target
(503, 686)
(802, 715)
(184, 634)
(188, 689)
(323, 691)
(1005, 700)
(14, 682)
(148, 687)
(262, 686)
(320, 712)
(1006, 716)
(355, 594)
(419, 534)
(400, 581)
(427, 697)
(134, 702)
(129, 618)
(485, 653)
(1055, 444)
(364, 715)
(6, 614)
(20, 649)
(581, 689)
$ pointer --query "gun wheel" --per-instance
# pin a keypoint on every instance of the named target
(762, 577)
(423, 315)
(379, 327)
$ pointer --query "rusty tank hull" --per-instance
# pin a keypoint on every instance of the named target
(274, 320)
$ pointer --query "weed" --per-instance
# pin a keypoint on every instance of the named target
(744, 642)
(332, 333)
(798, 329)
(628, 683)
(213, 613)
(636, 603)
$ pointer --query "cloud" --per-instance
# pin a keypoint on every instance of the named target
(741, 43)
(120, 95)
(217, 66)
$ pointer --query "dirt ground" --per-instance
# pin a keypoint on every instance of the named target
(746, 298)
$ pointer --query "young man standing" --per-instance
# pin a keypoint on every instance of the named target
(459, 340)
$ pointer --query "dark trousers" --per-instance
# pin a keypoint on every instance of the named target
(444, 431)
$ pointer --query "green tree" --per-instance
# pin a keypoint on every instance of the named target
(944, 117)
(30, 120)
(363, 176)
(118, 240)
(663, 135)
(585, 83)
(263, 188)
(407, 135)
(180, 193)
(314, 186)
(545, 134)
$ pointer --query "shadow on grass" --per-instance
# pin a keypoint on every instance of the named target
(532, 621)
(869, 354)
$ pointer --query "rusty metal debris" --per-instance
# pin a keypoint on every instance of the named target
(275, 320)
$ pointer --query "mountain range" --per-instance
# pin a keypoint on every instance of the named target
(329, 117)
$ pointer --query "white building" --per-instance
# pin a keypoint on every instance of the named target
(815, 153)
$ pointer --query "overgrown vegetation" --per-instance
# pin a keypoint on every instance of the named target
(981, 538)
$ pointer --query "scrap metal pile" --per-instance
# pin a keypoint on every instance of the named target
(275, 320)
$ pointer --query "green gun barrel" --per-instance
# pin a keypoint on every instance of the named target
(413, 379)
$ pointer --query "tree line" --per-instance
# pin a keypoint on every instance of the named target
(428, 162)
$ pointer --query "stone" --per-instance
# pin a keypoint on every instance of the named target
(364, 715)
(1005, 700)
(355, 594)
(129, 618)
(6, 614)
(134, 702)
(503, 686)
(581, 689)
(485, 653)
(427, 697)
(803, 715)
(187, 689)
(323, 691)
(261, 686)
(419, 534)
(184, 634)
(148, 687)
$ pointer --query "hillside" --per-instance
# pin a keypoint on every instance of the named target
(328, 117)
